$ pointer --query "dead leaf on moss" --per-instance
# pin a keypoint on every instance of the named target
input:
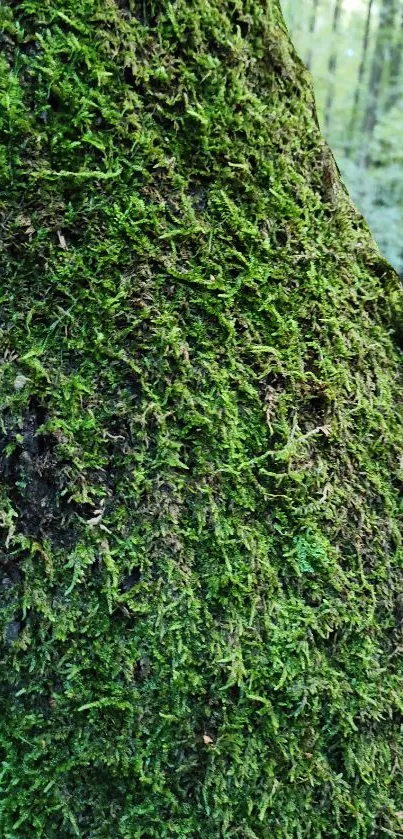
(62, 241)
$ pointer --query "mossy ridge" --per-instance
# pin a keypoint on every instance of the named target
(202, 439)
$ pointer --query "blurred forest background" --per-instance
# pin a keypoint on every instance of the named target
(354, 49)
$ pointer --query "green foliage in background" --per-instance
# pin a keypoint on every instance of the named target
(201, 440)
(364, 121)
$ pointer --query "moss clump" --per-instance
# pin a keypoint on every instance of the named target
(202, 439)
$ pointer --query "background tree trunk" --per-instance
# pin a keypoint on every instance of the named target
(396, 59)
(382, 45)
(200, 460)
(312, 27)
(332, 62)
(361, 74)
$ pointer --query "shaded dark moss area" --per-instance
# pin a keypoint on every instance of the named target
(201, 454)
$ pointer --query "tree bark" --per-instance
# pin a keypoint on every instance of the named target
(201, 439)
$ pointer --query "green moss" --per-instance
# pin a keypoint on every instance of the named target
(202, 437)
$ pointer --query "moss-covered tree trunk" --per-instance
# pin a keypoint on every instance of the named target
(202, 439)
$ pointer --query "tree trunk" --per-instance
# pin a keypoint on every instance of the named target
(312, 27)
(202, 434)
(332, 63)
(395, 77)
(384, 34)
(361, 73)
